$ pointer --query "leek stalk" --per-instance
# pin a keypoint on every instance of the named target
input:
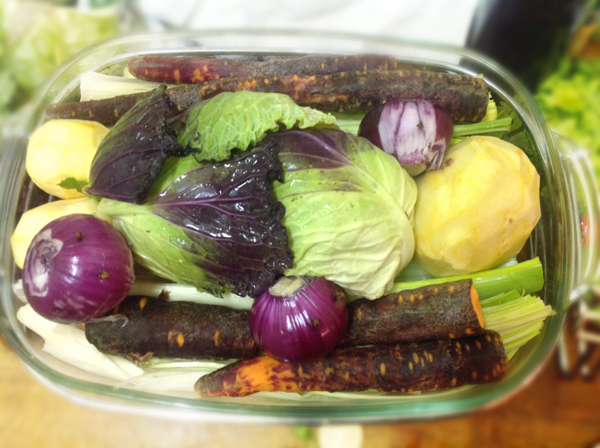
(526, 277)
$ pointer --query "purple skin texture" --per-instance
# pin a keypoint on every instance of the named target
(299, 325)
(415, 132)
(77, 268)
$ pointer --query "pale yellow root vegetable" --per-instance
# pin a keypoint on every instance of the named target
(33, 220)
(60, 149)
(478, 210)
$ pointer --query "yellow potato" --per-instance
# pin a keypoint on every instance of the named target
(478, 210)
(60, 149)
(33, 220)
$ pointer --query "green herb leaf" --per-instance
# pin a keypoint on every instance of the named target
(70, 183)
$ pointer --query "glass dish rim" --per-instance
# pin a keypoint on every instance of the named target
(487, 397)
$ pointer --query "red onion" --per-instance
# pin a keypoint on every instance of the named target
(415, 132)
(299, 318)
(77, 268)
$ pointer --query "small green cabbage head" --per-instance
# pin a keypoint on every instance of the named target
(348, 209)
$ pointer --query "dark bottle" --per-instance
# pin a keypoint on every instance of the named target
(529, 37)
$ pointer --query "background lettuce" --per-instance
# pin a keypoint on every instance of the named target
(36, 37)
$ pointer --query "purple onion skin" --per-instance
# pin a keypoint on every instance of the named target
(303, 326)
(77, 268)
(415, 132)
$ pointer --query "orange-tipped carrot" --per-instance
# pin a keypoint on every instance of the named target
(419, 366)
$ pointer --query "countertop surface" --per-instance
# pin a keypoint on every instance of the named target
(550, 412)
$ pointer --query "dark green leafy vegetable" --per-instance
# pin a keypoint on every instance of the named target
(132, 154)
(216, 227)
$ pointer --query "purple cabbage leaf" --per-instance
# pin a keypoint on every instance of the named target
(217, 227)
(133, 153)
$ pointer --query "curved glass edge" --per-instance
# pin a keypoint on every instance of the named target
(458, 59)
(586, 211)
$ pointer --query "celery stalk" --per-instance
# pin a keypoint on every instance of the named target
(350, 122)
(498, 309)
(521, 336)
(526, 277)
(499, 299)
(517, 318)
(179, 292)
(483, 127)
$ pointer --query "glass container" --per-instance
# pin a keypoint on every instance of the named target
(570, 257)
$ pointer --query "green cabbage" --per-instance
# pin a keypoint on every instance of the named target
(241, 119)
(349, 209)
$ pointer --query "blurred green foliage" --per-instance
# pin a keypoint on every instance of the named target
(570, 102)
(36, 37)
(304, 433)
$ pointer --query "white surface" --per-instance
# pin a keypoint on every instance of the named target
(438, 21)
(349, 436)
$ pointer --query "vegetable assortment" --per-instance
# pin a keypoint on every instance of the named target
(239, 181)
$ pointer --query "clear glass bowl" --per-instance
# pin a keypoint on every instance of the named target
(570, 259)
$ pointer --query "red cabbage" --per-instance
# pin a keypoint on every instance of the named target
(133, 153)
(216, 227)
